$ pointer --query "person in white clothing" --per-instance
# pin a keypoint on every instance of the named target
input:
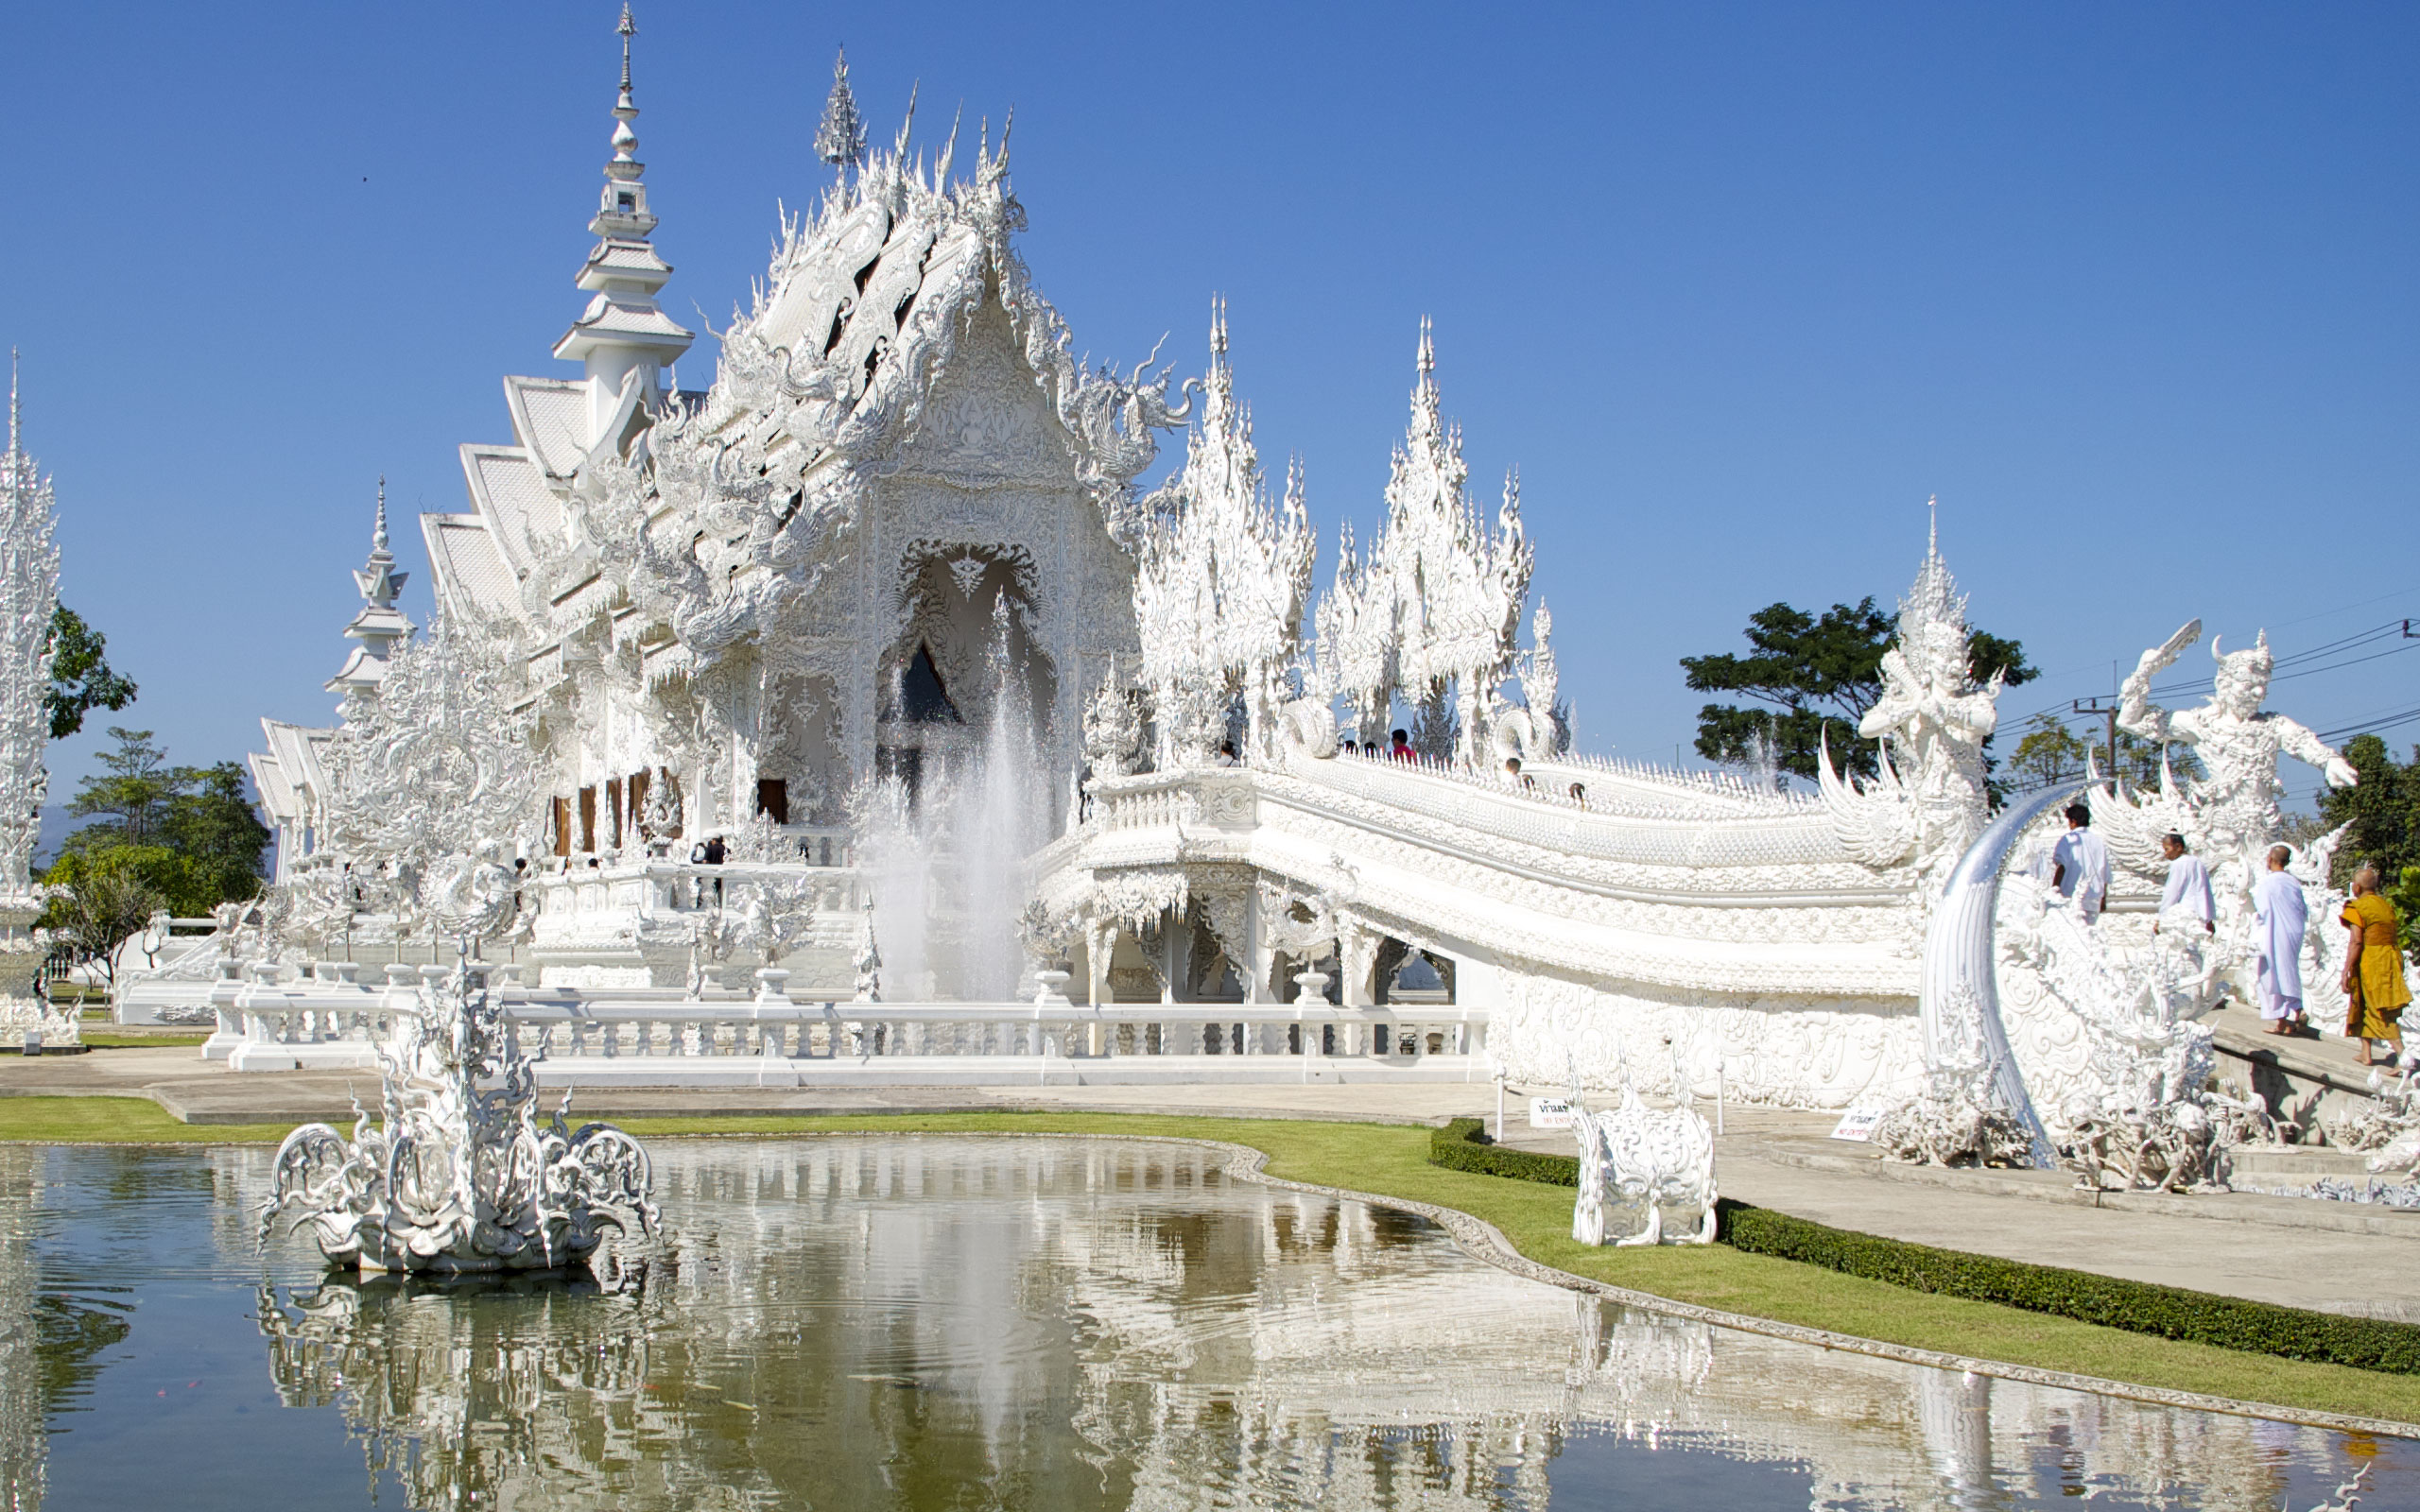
(2079, 864)
(2186, 897)
(2278, 918)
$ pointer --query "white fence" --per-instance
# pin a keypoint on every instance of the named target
(329, 1020)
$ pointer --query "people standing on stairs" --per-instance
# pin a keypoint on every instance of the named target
(2187, 898)
(2278, 919)
(2080, 865)
(2374, 989)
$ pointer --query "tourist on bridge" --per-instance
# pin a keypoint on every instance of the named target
(2186, 896)
(1403, 751)
(2374, 989)
(2080, 865)
(2278, 918)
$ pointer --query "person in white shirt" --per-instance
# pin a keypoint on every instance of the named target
(2079, 864)
(2278, 918)
(2186, 897)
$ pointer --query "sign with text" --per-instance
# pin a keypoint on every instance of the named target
(1857, 1124)
(1550, 1112)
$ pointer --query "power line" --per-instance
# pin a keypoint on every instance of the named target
(2393, 627)
(2396, 628)
(2369, 727)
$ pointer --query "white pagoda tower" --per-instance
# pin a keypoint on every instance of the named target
(29, 601)
(380, 625)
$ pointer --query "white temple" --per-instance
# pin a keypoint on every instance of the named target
(981, 721)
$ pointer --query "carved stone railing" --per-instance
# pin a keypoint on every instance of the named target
(582, 907)
(329, 1020)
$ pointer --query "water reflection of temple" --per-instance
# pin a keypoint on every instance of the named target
(21, 1396)
(1053, 1323)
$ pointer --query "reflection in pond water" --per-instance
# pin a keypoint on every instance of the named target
(901, 1322)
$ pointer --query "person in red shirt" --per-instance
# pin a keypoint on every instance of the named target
(1403, 751)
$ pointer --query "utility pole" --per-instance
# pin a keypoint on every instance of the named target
(2105, 708)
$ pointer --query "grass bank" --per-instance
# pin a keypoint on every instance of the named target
(1393, 1160)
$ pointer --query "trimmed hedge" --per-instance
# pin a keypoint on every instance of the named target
(2138, 1307)
(1464, 1145)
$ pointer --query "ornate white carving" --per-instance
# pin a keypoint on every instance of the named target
(2387, 1127)
(435, 766)
(1956, 1119)
(1639, 1161)
(1429, 613)
(28, 598)
(2231, 816)
(456, 1173)
(1929, 804)
(1222, 580)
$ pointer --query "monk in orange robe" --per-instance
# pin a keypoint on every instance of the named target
(2374, 989)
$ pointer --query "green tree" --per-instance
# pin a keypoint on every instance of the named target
(81, 679)
(2405, 895)
(1816, 678)
(129, 797)
(101, 897)
(2050, 752)
(2383, 810)
(211, 824)
(188, 832)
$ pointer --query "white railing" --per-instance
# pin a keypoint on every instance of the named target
(330, 1019)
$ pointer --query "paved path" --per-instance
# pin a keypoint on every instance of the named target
(2279, 1249)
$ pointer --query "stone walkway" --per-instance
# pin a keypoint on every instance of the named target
(2332, 1256)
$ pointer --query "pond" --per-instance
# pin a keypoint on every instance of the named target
(929, 1322)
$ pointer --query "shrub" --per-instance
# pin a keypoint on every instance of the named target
(1464, 1145)
(2138, 1307)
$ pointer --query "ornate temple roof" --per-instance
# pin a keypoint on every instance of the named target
(710, 510)
(288, 774)
(472, 577)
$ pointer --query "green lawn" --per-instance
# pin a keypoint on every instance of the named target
(117, 1121)
(111, 1040)
(1391, 1160)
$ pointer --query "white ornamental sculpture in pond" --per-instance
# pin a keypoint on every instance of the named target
(456, 1173)
(1927, 803)
(1654, 1165)
(28, 599)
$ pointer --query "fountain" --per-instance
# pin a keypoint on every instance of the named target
(945, 863)
(457, 1174)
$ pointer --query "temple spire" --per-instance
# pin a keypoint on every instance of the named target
(841, 139)
(13, 402)
(622, 211)
(380, 624)
(622, 338)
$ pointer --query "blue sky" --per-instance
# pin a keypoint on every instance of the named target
(1737, 288)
